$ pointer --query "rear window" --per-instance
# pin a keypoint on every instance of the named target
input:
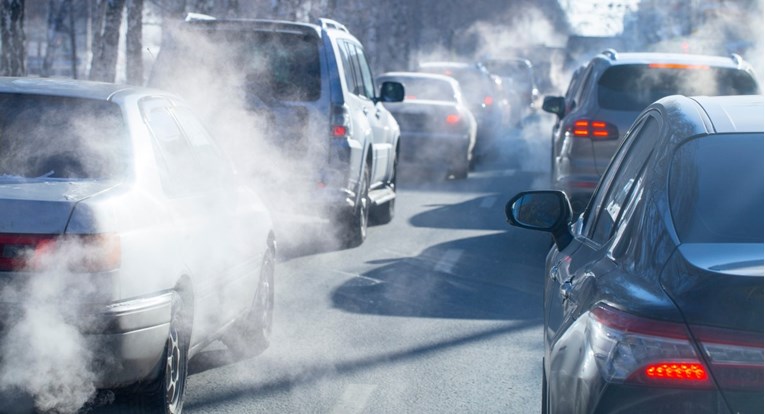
(56, 137)
(427, 89)
(633, 87)
(270, 65)
(716, 189)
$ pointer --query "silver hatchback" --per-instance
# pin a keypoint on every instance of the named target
(126, 244)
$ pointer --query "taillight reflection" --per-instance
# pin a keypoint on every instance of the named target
(452, 119)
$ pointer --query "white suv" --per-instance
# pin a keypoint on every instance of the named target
(314, 87)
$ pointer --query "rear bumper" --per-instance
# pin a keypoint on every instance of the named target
(123, 341)
(433, 148)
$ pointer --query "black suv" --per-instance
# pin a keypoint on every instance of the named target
(303, 95)
(607, 94)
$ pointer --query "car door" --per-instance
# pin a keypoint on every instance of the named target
(375, 114)
(572, 273)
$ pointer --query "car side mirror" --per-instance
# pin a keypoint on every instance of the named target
(548, 211)
(554, 105)
(391, 92)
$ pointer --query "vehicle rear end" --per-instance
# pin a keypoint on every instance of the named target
(622, 91)
(61, 256)
(263, 86)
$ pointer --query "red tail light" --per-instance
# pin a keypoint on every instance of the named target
(585, 128)
(488, 100)
(74, 253)
(452, 119)
(340, 122)
(638, 350)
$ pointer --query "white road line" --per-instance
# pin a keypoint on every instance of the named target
(448, 260)
(488, 202)
(354, 399)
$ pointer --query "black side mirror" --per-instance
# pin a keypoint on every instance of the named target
(554, 105)
(548, 211)
(391, 92)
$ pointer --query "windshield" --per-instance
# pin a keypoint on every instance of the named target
(57, 137)
(633, 87)
(716, 189)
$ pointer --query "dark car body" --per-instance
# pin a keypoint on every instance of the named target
(124, 225)
(304, 95)
(608, 94)
(438, 129)
(654, 296)
(485, 96)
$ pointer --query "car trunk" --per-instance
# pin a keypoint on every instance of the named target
(33, 206)
(719, 290)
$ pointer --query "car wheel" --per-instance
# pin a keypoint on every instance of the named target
(251, 335)
(165, 393)
(460, 169)
(383, 214)
(353, 224)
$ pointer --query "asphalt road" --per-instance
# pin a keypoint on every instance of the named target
(438, 311)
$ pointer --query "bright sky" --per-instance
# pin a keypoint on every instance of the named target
(597, 17)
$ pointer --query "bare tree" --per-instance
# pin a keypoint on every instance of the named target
(134, 42)
(14, 52)
(106, 35)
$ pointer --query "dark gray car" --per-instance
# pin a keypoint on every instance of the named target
(653, 298)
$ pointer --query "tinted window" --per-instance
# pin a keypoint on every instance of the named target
(55, 137)
(633, 87)
(427, 89)
(280, 66)
(716, 189)
(366, 74)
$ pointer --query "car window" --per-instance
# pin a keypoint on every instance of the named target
(716, 189)
(57, 137)
(357, 87)
(366, 74)
(428, 89)
(345, 57)
(176, 164)
(209, 158)
(624, 181)
(633, 87)
(582, 85)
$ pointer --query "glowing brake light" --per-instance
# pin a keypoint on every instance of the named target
(585, 128)
(679, 371)
(488, 100)
(676, 66)
(339, 131)
(340, 122)
(452, 119)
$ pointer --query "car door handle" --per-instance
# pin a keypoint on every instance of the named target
(555, 273)
(365, 110)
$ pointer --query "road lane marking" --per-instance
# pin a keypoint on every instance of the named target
(488, 202)
(448, 260)
(354, 399)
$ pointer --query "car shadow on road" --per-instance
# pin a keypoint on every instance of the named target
(493, 277)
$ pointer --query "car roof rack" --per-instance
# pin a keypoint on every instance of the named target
(611, 53)
(332, 24)
(737, 59)
(198, 16)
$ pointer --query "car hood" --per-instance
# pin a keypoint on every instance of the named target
(718, 284)
(42, 206)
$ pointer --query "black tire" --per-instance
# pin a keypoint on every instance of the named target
(165, 393)
(251, 335)
(353, 223)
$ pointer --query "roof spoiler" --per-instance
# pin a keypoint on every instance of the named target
(332, 24)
